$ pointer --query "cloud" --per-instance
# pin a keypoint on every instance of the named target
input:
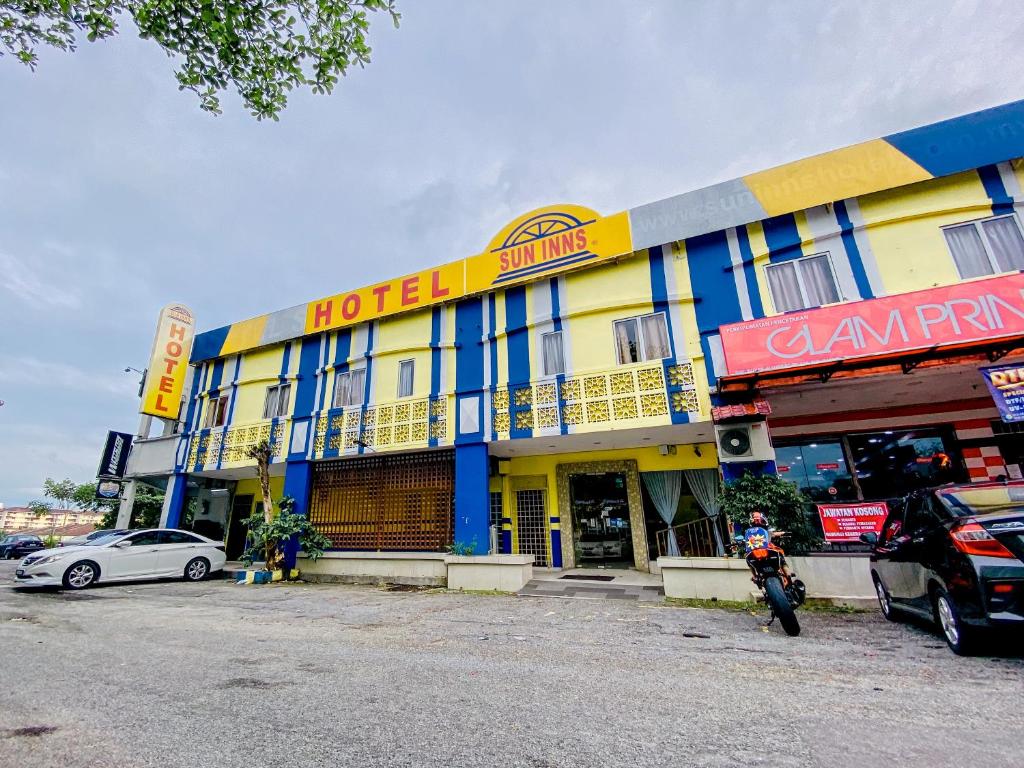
(31, 453)
(28, 286)
(33, 374)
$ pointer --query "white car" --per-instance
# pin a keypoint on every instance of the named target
(154, 553)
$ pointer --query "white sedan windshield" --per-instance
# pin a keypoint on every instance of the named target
(100, 541)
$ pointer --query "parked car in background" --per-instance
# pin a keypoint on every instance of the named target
(19, 545)
(954, 555)
(77, 540)
(607, 545)
(592, 546)
(154, 553)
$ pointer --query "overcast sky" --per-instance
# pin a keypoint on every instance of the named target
(118, 195)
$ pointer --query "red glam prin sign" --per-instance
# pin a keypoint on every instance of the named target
(956, 314)
(846, 522)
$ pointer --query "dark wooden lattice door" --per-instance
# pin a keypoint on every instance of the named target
(402, 502)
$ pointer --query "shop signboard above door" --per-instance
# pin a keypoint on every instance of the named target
(1006, 383)
(955, 315)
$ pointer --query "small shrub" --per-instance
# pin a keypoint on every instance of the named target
(462, 548)
(269, 538)
(784, 505)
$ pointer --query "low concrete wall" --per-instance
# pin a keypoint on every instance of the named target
(840, 578)
(490, 573)
(706, 578)
(835, 576)
(485, 573)
(416, 568)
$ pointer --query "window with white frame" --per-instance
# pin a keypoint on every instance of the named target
(554, 357)
(348, 387)
(802, 283)
(217, 412)
(641, 338)
(406, 372)
(986, 246)
(276, 404)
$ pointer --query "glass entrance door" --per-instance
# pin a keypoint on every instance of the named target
(601, 524)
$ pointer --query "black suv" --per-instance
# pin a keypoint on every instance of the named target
(954, 555)
(19, 545)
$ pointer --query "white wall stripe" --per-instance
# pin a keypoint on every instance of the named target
(824, 226)
(738, 275)
(867, 256)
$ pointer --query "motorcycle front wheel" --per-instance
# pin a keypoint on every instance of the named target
(780, 604)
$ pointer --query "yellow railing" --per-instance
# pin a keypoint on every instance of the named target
(394, 424)
(229, 445)
(621, 394)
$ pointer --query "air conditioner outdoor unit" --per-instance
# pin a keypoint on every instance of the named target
(745, 441)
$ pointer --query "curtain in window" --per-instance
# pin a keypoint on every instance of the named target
(819, 282)
(357, 383)
(665, 488)
(626, 341)
(968, 251)
(340, 389)
(655, 337)
(270, 406)
(707, 490)
(554, 359)
(1007, 245)
(405, 374)
(785, 288)
(283, 394)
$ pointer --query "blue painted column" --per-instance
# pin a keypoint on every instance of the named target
(472, 497)
(174, 500)
(298, 477)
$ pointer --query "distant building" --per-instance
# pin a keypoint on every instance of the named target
(22, 518)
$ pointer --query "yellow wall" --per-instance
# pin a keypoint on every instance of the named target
(259, 370)
(252, 485)
(596, 299)
(405, 337)
(904, 229)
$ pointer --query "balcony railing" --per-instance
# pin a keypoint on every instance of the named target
(622, 394)
(396, 424)
(228, 446)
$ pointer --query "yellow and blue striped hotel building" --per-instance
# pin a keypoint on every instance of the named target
(418, 412)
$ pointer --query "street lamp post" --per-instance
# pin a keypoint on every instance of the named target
(124, 512)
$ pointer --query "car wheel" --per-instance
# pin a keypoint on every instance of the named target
(885, 600)
(961, 638)
(198, 568)
(81, 575)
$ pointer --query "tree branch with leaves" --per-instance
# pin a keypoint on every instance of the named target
(262, 48)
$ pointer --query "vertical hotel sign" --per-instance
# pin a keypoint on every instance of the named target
(168, 363)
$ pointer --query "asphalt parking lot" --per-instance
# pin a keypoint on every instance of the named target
(212, 674)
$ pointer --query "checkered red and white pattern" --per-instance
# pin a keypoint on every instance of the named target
(984, 463)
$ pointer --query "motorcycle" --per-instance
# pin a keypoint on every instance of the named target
(782, 591)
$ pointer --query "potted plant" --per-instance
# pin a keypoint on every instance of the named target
(781, 501)
(267, 540)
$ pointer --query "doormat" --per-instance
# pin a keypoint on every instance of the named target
(581, 577)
